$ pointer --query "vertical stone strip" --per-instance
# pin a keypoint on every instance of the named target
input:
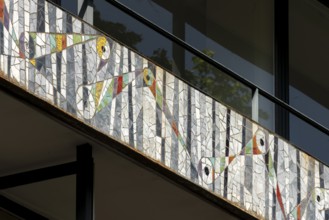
(227, 149)
(164, 97)
(51, 17)
(221, 114)
(249, 167)
(213, 140)
(41, 16)
(310, 211)
(59, 74)
(321, 174)
(159, 114)
(118, 100)
(1, 42)
(175, 113)
(69, 28)
(195, 147)
(21, 35)
(189, 131)
(130, 105)
(267, 182)
(324, 170)
(298, 177)
(70, 68)
(61, 28)
(243, 170)
(275, 204)
(139, 104)
(10, 40)
(32, 10)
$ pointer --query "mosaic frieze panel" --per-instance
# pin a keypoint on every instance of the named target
(99, 81)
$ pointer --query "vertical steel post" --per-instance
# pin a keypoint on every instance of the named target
(281, 64)
(84, 183)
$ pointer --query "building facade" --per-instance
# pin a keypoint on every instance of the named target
(211, 94)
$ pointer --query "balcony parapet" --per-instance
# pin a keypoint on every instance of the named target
(63, 60)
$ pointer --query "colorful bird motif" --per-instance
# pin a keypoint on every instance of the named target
(150, 82)
(318, 197)
(210, 168)
(93, 96)
(100, 94)
(34, 46)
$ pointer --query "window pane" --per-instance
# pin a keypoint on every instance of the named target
(309, 66)
(239, 33)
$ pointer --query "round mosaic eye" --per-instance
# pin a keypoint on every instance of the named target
(261, 140)
(206, 170)
(148, 77)
(103, 48)
(319, 198)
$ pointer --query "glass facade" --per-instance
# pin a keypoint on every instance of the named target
(240, 36)
(308, 69)
(239, 43)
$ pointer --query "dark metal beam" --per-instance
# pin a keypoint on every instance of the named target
(83, 9)
(19, 210)
(85, 183)
(58, 2)
(37, 175)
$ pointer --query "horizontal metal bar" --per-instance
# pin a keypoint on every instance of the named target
(38, 175)
(294, 111)
(218, 65)
(19, 210)
(180, 42)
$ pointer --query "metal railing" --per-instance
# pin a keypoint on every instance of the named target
(220, 66)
